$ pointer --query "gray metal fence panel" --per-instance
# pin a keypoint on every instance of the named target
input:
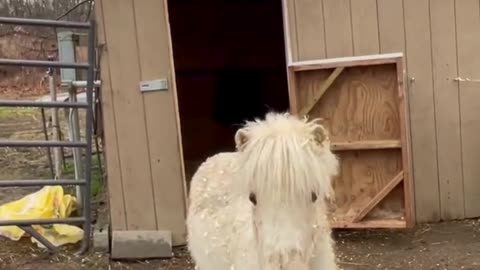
(85, 219)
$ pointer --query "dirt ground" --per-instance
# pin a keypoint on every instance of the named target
(452, 245)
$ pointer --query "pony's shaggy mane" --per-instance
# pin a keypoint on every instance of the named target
(284, 159)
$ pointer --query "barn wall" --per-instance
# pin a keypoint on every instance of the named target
(440, 40)
(143, 153)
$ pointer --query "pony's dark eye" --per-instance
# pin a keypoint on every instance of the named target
(314, 197)
(252, 198)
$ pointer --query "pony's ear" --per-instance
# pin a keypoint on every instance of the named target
(321, 136)
(241, 138)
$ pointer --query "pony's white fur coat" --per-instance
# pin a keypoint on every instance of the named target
(283, 160)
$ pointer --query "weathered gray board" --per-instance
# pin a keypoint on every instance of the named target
(141, 244)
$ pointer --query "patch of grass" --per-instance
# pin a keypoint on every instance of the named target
(9, 113)
(96, 186)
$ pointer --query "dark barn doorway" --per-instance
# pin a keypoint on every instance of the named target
(230, 67)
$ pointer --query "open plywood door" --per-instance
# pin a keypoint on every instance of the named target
(363, 104)
(142, 135)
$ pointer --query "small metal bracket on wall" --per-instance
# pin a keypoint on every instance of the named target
(410, 84)
(459, 79)
(154, 85)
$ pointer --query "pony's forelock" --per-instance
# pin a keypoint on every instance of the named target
(282, 160)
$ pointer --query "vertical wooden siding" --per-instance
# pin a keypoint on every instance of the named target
(440, 39)
(144, 163)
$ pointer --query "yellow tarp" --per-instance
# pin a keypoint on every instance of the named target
(48, 202)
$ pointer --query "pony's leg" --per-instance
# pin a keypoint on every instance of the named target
(324, 256)
(203, 261)
(202, 250)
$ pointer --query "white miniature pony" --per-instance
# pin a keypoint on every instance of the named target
(263, 207)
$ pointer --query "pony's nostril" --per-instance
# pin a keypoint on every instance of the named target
(253, 198)
(314, 197)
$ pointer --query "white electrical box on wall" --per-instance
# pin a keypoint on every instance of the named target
(154, 85)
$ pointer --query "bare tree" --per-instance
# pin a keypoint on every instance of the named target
(74, 10)
(36, 42)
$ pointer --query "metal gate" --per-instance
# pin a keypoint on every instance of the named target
(85, 219)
